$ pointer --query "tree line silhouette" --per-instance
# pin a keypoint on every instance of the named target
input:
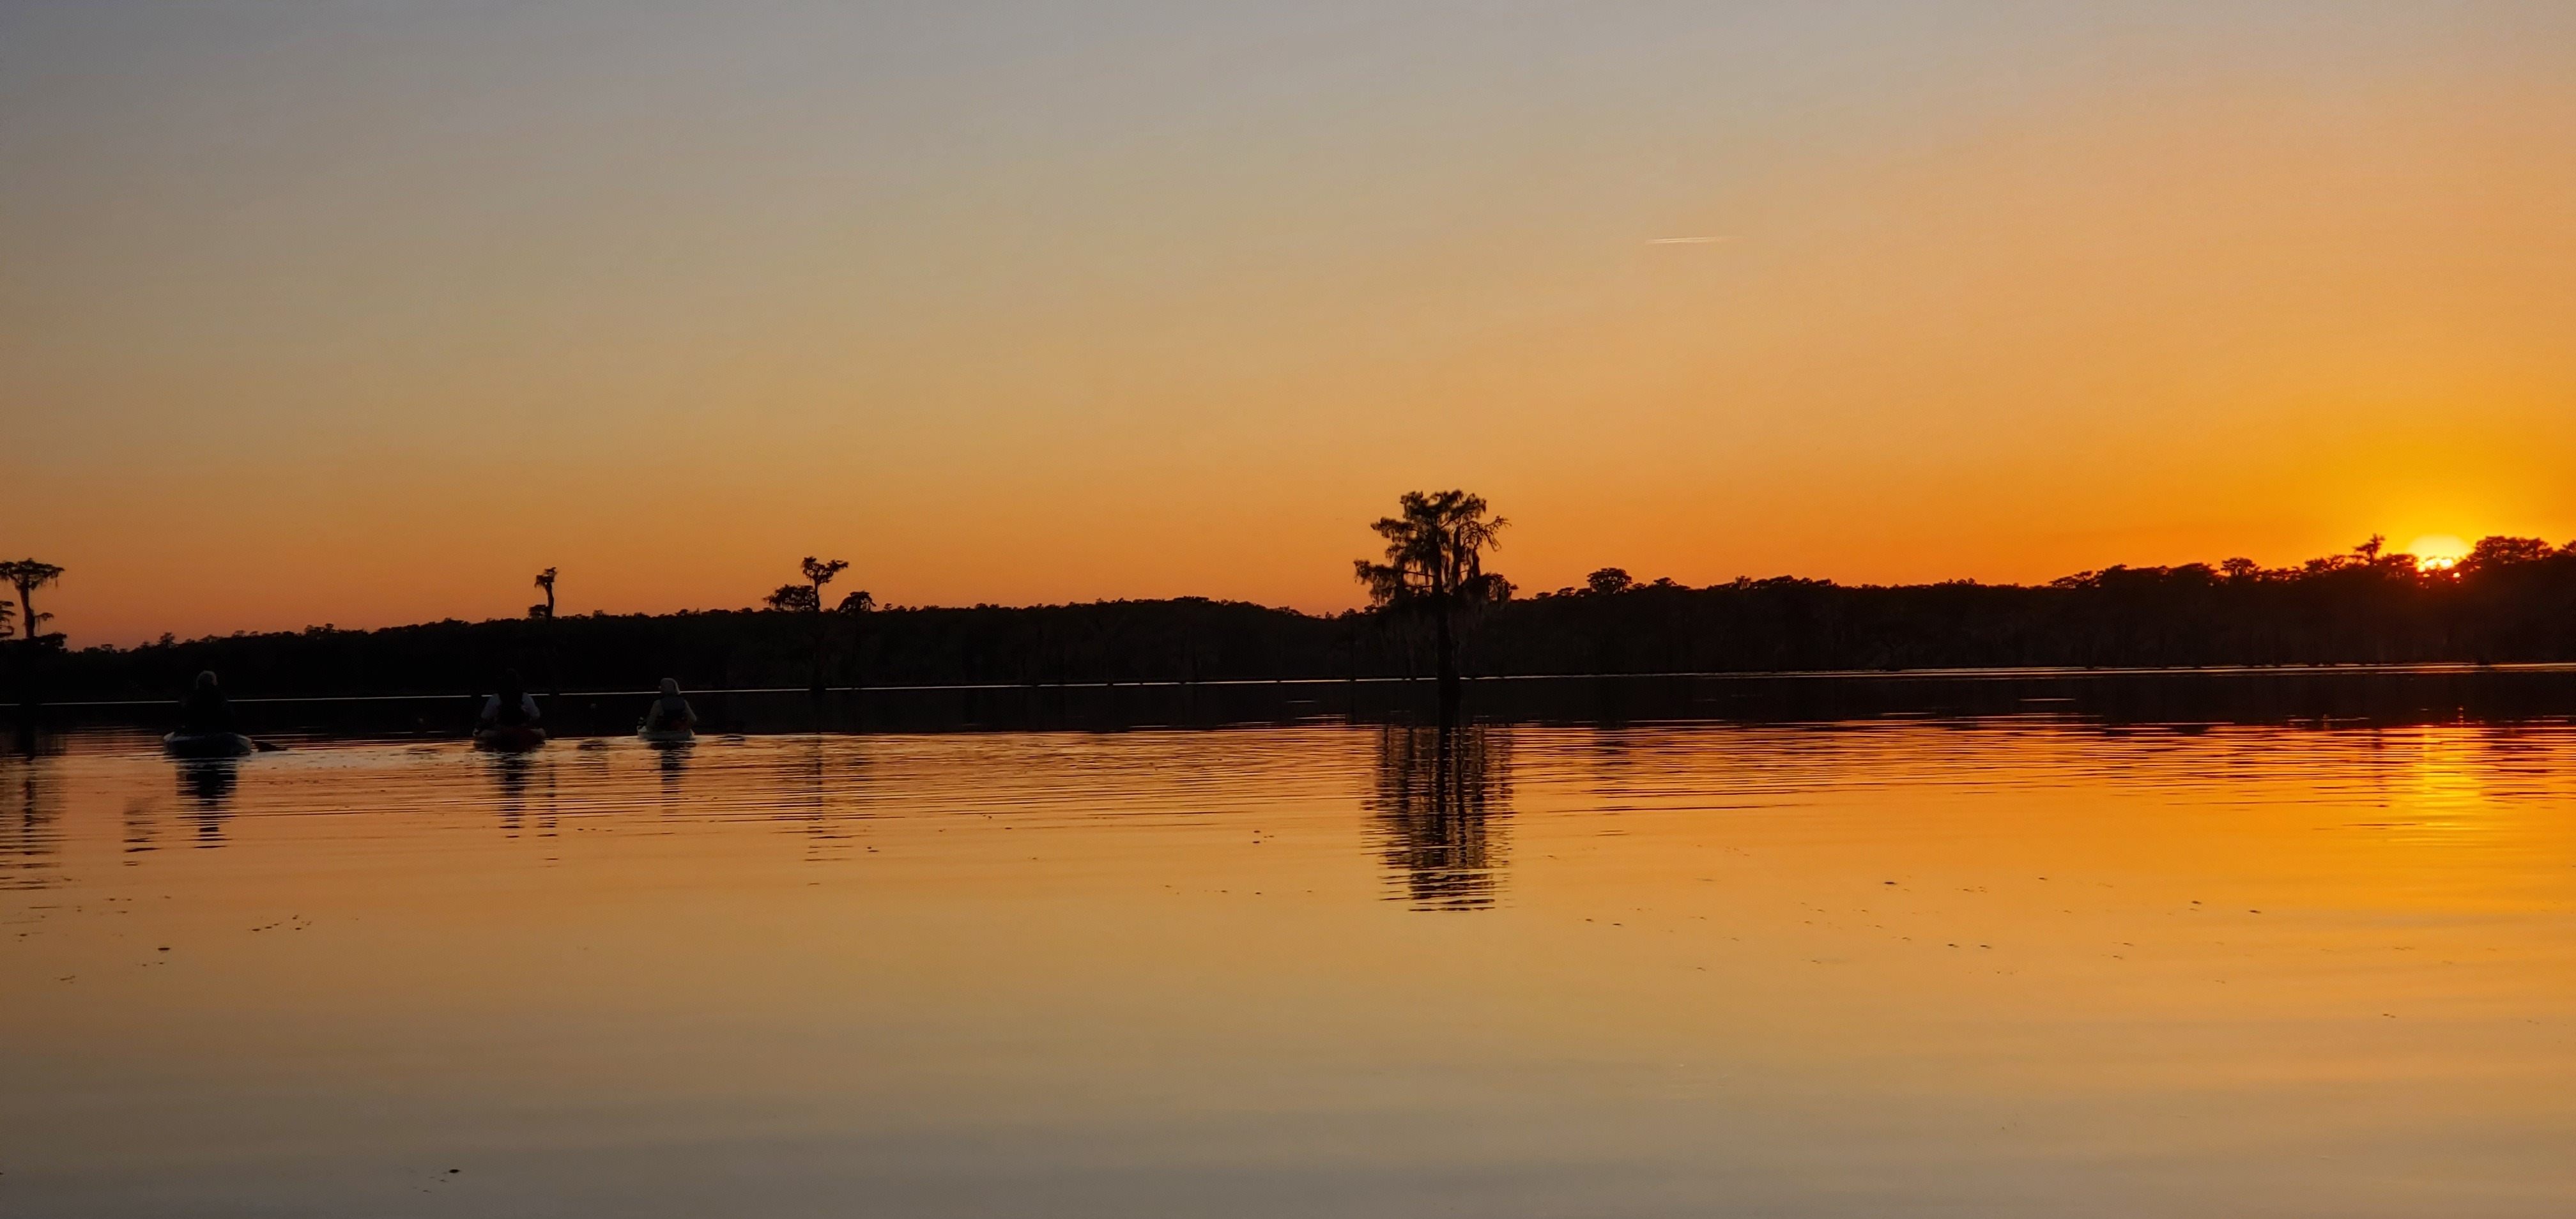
(1436, 613)
(2509, 599)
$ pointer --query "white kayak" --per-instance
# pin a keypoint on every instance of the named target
(207, 744)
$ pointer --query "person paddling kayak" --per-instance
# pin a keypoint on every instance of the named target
(670, 716)
(510, 707)
(509, 718)
(205, 710)
(206, 724)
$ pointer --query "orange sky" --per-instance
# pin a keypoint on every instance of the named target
(364, 315)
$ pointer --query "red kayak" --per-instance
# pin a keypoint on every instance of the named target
(509, 738)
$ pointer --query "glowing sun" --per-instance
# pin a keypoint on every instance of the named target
(2437, 551)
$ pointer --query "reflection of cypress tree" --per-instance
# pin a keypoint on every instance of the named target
(29, 839)
(1438, 791)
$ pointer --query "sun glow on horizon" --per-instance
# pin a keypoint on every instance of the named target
(2437, 552)
(1011, 307)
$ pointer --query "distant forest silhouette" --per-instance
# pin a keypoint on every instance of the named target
(2510, 599)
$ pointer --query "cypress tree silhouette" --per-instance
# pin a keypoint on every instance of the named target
(28, 575)
(809, 599)
(1435, 566)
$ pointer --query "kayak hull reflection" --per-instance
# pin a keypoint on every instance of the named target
(509, 738)
(207, 744)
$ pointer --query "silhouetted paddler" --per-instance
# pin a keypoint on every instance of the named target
(205, 710)
(670, 712)
(511, 707)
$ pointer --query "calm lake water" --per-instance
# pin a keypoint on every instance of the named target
(2001, 968)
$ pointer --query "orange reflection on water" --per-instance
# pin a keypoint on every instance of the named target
(1897, 969)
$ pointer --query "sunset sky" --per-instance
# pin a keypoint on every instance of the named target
(363, 312)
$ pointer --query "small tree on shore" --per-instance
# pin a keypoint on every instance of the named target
(807, 598)
(546, 581)
(28, 575)
(1435, 566)
(819, 572)
(856, 606)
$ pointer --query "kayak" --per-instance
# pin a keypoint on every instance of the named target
(207, 744)
(665, 736)
(509, 738)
